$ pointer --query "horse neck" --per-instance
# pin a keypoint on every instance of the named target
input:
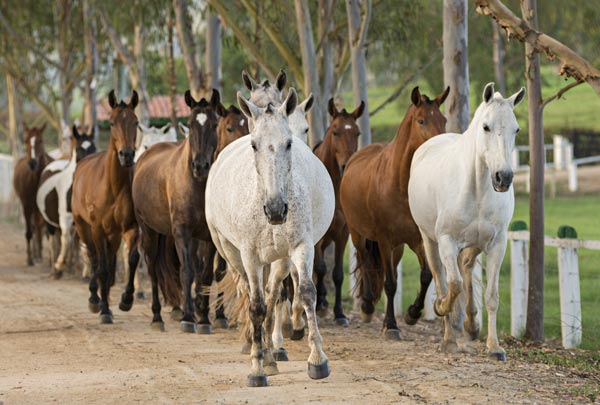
(118, 176)
(326, 152)
(477, 173)
(402, 148)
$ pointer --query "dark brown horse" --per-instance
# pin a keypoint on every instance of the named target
(103, 209)
(233, 124)
(374, 198)
(26, 180)
(168, 192)
(339, 143)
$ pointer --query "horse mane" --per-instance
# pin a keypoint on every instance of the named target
(234, 109)
(122, 104)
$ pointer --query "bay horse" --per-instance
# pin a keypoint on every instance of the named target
(232, 125)
(374, 198)
(168, 194)
(461, 197)
(54, 194)
(103, 208)
(269, 199)
(26, 179)
(338, 145)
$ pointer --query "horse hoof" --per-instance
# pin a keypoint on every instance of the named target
(106, 319)
(203, 328)
(297, 334)
(221, 323)
(30, 262)
(287, 330)
(176, 314)
(366, 318)
(500, 356)
(280, 354)
(392, 334)
(316, 372)
(343, 321)
(158, 326)
(257, 381)
(94, 307)
(436, 304)
(449, 347)
(140, 295)
(246, 348)
(124, 305)
(56, 275)
(271, 369)
(187, 327)
(409, 320)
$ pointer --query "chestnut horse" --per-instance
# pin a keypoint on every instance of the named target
(339, 143)
(103, 209)
(26, 180)
(168, 193)
(374, 198)
(232, 125)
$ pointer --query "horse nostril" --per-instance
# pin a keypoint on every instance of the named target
(498, 177)
(206, 166)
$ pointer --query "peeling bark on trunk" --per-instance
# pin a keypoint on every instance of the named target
(137, 74)
(498, 57)
(91, 64)
(309, 67)
(172, 78)
(213, 51)
(64, 14)
(16, 141)
(456, 65)
(534, 327)
(358, 24)
(188, 47)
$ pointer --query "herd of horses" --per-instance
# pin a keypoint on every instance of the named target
(243, 194)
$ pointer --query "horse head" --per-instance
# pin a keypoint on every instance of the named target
(34, 143)
(82, 144)
(496, 127)
(232, 125)
(202, 137)
(424, 115)
(123, 127)
(298, 121)
(148, 136)
(343, 132)
(271, 140)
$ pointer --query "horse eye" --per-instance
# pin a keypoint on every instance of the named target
(517, 131)
(289, 145)
(306, 131)
(335, 133)
(112, 123)
(421, 121)
(229, 130)
(486, 128)
(253, 146)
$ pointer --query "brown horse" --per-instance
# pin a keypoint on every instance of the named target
(374, 198)
(168, 193)
(233, 124)
(26, 180)
(339, 143)
(103, 209)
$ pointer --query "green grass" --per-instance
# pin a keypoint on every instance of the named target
(581, 212)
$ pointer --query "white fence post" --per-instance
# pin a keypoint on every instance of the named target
(519, 281)
(559, 151)
(570, 298)
(515, 159)
(571, 167)
(6, 176)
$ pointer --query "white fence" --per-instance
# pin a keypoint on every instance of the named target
(563, 159)
(6, 175)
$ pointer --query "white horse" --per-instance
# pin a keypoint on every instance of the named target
(148, 136)
(268, 201)
(461, 197)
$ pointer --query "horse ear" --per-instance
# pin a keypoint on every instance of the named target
(289, 105)
(281, 80)
(221, 110)
(307, 104)
(76, 134)
(143, 128)
(415, 96)
(516, 98)
(112, 99)
(215, 99)
(442, 97)
(248, 80)
(166, 128)
(488, 92)
(331, 108)
(359, 111)
(189, 100)
(249, 109)
(25, 126)
(185, 131)
(134, 100)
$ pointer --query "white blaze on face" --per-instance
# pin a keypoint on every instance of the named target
(201, 118)
(32, 144)
(85, 145)
(348, 126)
(242, 123)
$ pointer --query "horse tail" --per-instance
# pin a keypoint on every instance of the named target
(369, 271)
(166, 269)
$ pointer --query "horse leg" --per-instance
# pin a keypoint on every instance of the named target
(390, 262)
(37, 233)
(65, 222)
(338, 280)
(28, 236)
(279, 271)
(495, 255)
(186, 247)
(297, 309)
(220, 272)
(414, 310)
(131, 241)
(321, 270)
(150, 246)
(107, 254)
(204, 280)
(466, 262)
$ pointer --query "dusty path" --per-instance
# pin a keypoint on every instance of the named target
(53, 350)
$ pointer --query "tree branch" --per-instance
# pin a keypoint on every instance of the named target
(559, 94)
(573, 65)
(124, 54)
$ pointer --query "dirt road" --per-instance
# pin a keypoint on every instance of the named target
(53, 350)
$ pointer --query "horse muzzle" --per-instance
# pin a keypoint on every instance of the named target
(200, 169)
(276, 212)
(126, 157)
(32, 164)
(502, 180)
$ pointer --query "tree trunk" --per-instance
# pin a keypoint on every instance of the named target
(456, 65)
(91, 63)
(172, 77)
(534, 328)
(213, 51)
(357, 31)
(137, 74)
(498, 56)
(188, 47)
(64, 14)
(16, 141)
(309, 67)
(327, 61)
(258, 6)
